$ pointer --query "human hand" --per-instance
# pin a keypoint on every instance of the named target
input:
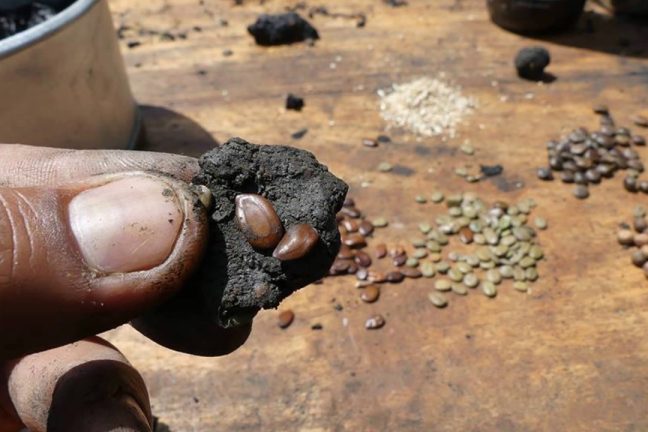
(88, 241)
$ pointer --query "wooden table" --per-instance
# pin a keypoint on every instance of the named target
(570, 356)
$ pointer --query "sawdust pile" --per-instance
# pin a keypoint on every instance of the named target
(426, 106)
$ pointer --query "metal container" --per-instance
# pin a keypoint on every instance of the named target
(535, 16)
(63, 83)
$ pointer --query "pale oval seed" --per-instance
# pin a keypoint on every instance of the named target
(438, 299)
(442, 285)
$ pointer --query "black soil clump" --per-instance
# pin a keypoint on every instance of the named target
(282, 29)
(19, 15)
(238, 280)
(294, 102)
(531, 62)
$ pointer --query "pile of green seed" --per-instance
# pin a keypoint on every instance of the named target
(504, 240)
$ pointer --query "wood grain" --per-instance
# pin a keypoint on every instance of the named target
(570, 356)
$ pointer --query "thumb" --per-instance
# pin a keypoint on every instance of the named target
(81, 258)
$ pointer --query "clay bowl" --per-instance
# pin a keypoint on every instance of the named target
(535, 16)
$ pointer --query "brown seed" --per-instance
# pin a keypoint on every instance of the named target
(466, 235)
(366, 228)
(640, 120)
(640, 239)
(625, 237)
(378, 277)
(630, 184)
(638, 140)
(381, 251)
(257, 219)
(545, 173)
(638, 258)
(644, 250)
(395, 277)
(362, 259)
(340, 266)
(640, 224)
(567, 177)
(367, 142)
(399, 260)
(355, 240)
(350, 225)
(645, 269)
(351, 212)
(345, 252)
(374, 322)
(411, 273)
(370, 294)
(298, 241)
(348, 202)
(396, 251)
(285, 318)
(353, 268)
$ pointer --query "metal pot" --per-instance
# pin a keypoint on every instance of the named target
(535, 16)
(63, 83)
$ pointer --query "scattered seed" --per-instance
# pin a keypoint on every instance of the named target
(438, 299)
(467, 149)
(531, 274)
(436, 197)
(601, 109)
(394, 277)
(461, 171)
(420, 199)
(640, 120)
(435, 257)
(412, 262)
(424, 227)
(442, 267)
(459, 289)
(285, 318)
(428, 270)
(489, 289)
(370, 293)
(411, 273)
(506, 271)
(385, 167)
(540, 223)
(380, 222)
(367, 142)
(381, 250)
(442, 285)
(521, 286)
(494, 276)
(470, 280)
(375, 322)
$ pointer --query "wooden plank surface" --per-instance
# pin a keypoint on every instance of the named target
(570, 356)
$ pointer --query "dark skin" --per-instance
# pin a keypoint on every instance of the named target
(58, 287)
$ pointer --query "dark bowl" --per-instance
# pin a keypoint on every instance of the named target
(535, 16)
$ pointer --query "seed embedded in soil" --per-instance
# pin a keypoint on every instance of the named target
(285, 318)
(438, 299)
(370, 293)
(257, 219)
(298, 241)
(375, 322)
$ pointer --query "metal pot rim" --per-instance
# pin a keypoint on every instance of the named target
(45, 29)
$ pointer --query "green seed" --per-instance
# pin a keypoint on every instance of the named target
(472, 260)
(475, 226)
(436, 197)
(521, 286)
(433, 246)
(454, 211)
(467, 149)
(522, 234)
(536, 252)
(438, 299)
(442, 239)
(461, 171)
(531, 274)
(540, 223)
(472, 179)
(427, 270)
(420, 253)
(494, 276)
(508, 240)
(523, 247)
(420, 199)
(479, 239)
(491, 236)
(639, 211)
(519, 274)
(462, 221)
(470, 280)
(512, 211)
(464, 267)
(489, 289)
(412, 262)
(380, 222)
(500, 250)
(454, 200)
(524, 207)
(485, 254)
(385, 167)
(504, 223)
(459, 289)
(455, 275)
(487, 265)
(519, 220)
(443, 219)
(527, 262)
(454, 256)
(506, 271)
(442, 267)
(418, 243)
(469, 211)
(435, 257)
(442, 285)
(424, 227)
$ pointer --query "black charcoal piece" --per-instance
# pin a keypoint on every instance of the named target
(281, 29)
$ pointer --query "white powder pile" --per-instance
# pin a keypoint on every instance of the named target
(425, 106)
